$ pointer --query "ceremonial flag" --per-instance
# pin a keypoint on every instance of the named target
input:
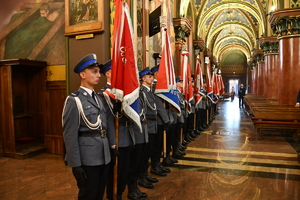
(215, 86)
(198, 82)
(209, 88)
(166, 85)
(187, 80)
(221, 83)
(124, 78)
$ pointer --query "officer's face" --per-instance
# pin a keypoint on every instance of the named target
(90, 76)
(179, 84)
(148, 79)
(108, 74)
(155, 75)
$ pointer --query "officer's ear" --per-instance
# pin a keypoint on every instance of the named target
(82, 74)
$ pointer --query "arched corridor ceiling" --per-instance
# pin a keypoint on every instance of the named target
(227, 26)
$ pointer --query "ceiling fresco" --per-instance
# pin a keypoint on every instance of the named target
(227, 25)
(230, 15)
(232, 30)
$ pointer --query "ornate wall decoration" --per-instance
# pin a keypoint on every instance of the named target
(294, 3)
(139, 35)
(181, 32)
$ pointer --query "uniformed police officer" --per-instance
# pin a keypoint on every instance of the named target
(137, 155)
(88, 132)
(146, 77)
(163, 122)
(201, 110)
(126, 137)
(180, 121)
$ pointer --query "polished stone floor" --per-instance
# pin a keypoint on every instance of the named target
(226, 162)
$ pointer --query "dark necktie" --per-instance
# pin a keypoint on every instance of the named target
(94, 97)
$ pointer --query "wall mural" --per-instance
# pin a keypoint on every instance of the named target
(35, 31)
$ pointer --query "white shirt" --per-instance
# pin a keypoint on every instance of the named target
(90, 92)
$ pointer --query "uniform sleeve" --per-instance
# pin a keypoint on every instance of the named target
(70, 118)
(110, 123)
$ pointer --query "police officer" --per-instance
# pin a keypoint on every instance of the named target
(88, 132)
(137, 154)
(163, 123)
(180, 121)
(201, 109)
(126, 137)
(148, 97)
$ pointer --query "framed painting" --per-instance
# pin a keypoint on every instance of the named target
(83, 16)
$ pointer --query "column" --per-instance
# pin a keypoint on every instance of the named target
(284, 24)
(270, 48)
(261, 79)
(254, 80)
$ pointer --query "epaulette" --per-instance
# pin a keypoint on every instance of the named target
(75, 94)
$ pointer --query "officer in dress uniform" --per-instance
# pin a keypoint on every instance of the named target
(190, 134)
(165, 120)
(180, 121)
(136, 158)
(88, 132)
(148, 97)
(201, 110)
(163, 123)
(126, 137)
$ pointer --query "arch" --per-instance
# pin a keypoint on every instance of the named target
(229, 48)
(221, 27)
(257, 13)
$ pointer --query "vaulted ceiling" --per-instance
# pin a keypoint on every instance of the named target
(229, 28)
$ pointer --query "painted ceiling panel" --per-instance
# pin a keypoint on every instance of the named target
(232, 30)
(209, 20)
(233, 41)
(209, 3)
(231, 15)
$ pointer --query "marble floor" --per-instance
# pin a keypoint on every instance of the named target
(226, 162)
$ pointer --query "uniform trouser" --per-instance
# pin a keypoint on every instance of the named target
(135, 163)
(170, 136)
(176, 137)
(201, 118)
(214, 108)
(190, 122)
(96, 182)
(157, 146)
(184, 125)
(147, 153)
(123, 169)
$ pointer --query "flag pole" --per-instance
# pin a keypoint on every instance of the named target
(115, 178)
(181, 137)
(165, 139)
(163, 26)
